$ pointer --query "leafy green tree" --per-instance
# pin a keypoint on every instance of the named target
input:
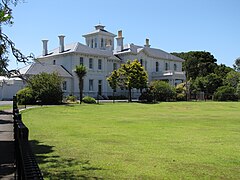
(132, 75)
(46, 88)
(7, 46)
(197, 63)
(238, 90)
(163, 91)
(80, 71)
(236, 65)
(222, 70)
(225, 93)
(232, 79)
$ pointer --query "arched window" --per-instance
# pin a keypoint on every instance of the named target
(54, 62)
(141, 62)
(157, 67)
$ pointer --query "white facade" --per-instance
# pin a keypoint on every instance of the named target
(9, 87)
(101, 58)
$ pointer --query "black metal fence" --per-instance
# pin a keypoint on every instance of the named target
(26, 164)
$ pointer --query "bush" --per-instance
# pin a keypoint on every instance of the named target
(225, 93)
(89, 100)
(181, 97)
(71, 98)
(147, 96)
(163, 91)
(25, 96)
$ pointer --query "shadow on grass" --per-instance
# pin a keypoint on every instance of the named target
(56, 167)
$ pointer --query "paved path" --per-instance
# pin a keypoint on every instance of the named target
(6, 145)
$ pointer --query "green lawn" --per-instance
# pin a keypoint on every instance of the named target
(182, 140)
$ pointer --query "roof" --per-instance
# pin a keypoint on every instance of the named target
(82, 49)
(152, 52)
(100, 31)
(38, 68)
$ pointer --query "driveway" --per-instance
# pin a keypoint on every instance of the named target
(2, 103)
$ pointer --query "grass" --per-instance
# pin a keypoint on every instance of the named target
(5, 107)
(182, 140)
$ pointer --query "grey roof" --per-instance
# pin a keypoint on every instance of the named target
(152, 52)
(101, 31)
(82, 49)
(38, 68)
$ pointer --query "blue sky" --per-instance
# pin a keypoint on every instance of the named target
(171, 25)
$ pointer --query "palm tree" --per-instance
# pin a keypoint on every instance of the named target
(81, 71)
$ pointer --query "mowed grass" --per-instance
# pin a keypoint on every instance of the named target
(178, 140)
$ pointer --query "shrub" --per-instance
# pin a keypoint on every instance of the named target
(147, 96)
(71, 98)
(225, 93)
(163, 91)
(25, 96)
(181, 97)
(89, 100)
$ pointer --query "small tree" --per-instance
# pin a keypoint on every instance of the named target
(113, 81)
(80, 71)
(132, 75)
(44, 87)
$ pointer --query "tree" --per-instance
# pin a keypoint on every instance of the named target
(225, 93)
(232, 79)
(236, 66)
(6, 45)
(80, 71)
(222, 70)
(130, 75)
(197, 63)
(42, 87)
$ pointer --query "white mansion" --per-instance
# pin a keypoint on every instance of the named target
(101, 57)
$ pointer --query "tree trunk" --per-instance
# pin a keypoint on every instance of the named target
(81, 90)
(129, 94)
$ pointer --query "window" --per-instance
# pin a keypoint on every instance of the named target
(175, 67)
(92, 43)
(54, 62)
(141, 62)
(95, 42)
(99, 64)
(90, 63)
(101, 42)
(81, 61)
(166, 66)
(64, 85)
(145, 65)
(90, 84)
(114, 66)
(157, 67)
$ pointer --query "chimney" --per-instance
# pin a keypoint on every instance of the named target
(61, 43)
(45, 48)
(147, 43)
(119, 41)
